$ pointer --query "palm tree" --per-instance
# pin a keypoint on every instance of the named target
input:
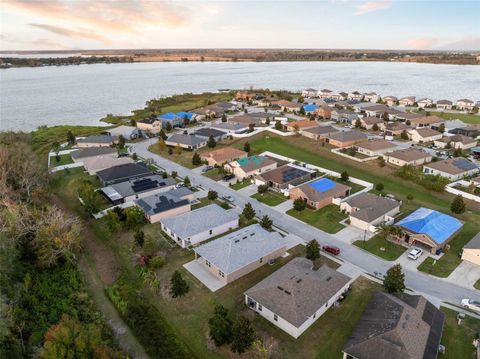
(384, 230)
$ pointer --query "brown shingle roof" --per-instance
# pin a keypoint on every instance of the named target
(224, 154)
(427, 132)
(453, 166)
(457, 138)
(370, 120)
(409, 154)
(315, 195)
(426, 120)
(321, 130)
(284, 174)
(375, 145)
(303, 124)
(348, 136)
(371, 207)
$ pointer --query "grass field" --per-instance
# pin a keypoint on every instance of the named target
(183, 158)
(326, 218)
(270, 198)
(63, 160)
(475, 119)
(241, 184)
(458, 338)
(391, 250)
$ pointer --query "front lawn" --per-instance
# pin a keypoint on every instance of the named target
(270, 198)
(451, 259)
(215, 174)
(458, 339)
(184, 158)
(391, 250)
(62, 160)
(327, 218)
(241, 184)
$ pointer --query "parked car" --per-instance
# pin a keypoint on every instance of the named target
(227, 198)
(228, 177)
(206, 169)
(180, 185)
(415, 253)
(471, 304)
(332, 250)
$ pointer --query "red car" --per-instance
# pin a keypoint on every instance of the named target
(332, 250)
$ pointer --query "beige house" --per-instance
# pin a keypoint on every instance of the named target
(222, 155)
(456, 141)
(250, 166)
(93, 165)
(409, 156)
(96, 141)
(241, 252)
(286, 105)
(165, 205)
(393, 128)
(151, 125)
(369, 121)
(444, 105)
(346, 138)
(407, 101)
(453, 168)
(424, 135)
(375, 147)
(371, 97)
(471, 251)
(390, 100)
(425, 102)
(319, 133)
(93, 152)
(426, 121)
(465, 104)
(320, 193)
(367, 211)
(301, 125)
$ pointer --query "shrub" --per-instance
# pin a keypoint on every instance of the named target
(156, 262)
(344, 176)
(458, 205)
(299, 204)
(262, 188)
(379, 187)
(212, 195)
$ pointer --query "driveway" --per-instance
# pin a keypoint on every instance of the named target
(351, 234)
(249, 190)
(204, 276)
(284, 206)
(466, 273)
(408, 263)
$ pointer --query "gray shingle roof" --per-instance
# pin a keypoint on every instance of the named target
(97, 139)
(240, 248)
(348, 136)
(295, 292)
(93, 151)
(371, 207)
(207, 132)
(123, 172)
(199, 220)
(160, 203)
(189, 140)
(229, 126)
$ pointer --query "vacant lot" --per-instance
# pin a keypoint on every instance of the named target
(475, 119)
(458, 338)
(270, 198)
(390, 252)
(327, 218)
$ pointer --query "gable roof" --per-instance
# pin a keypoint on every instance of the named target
(370, 120)
(97, 139)
(161, 202)
(347, 136)
(371, 207)
(397, 327)
(409, 154)
(426, 132)
(376, 145)
(135, 186)
(93, 151)
(322, 188)
(224, 154)
(453, 166)
(253, 163)
(295, 291)
(199, 220)
(437, 225)
(186, 139)
(123, 172)
(123, 130)
(427, 120)
(457, 139)
(240, 248)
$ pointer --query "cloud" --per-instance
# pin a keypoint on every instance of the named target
(47, 44)
(372, 6)
(469, 43)
(420, 43)
(80, 34)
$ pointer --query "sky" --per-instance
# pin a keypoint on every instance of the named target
(328, 24)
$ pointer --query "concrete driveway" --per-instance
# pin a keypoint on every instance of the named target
(466, 273)
(351, 234)
(284, 206)
(249, 190)
(204, 276)
(408, 263)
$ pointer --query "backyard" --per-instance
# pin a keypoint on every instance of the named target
(458, 339)
(327, 218)
(61, 160)
(381, 247)
(270, 198)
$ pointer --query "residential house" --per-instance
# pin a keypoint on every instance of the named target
(367, 211)
(465, 104)
(309, 92)
(422, 135)
(471, 251)
(396, 326)
(165, 205)
(172, 118)
(369, 121)
(262, 116)
(452, 168)
(186, 141)
(393, 128)
(226, 106)
(128, 132)
(346, 138)
(355, 96)
(301, 125)
(319, 133)
(285, 177)
(222, 155)
(390, 100)
(206, 132)
(150, 125)
(429, 229)
(470, 131)
(404, 116)
(123, 172)
(375, 147)
(425, 103)
(93, 152)
(456, 141)
(192, 228)
(444, 105)
(286, 105)
(427, 121)
(371, 97)
(296, 295)
(236, 254)
(325, 93)
(310, 108)
(250, 166)
(230, 127)
(208, 112)
(377, 110)
(246, 120)
(341, 96)
(96, 141)
(323, 112)
(320, 193)
(346, 116)
(136, 188)
(407, 101)
(93, 165)
(245, 95)
(409, 156)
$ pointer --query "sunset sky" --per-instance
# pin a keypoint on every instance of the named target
(101, 24)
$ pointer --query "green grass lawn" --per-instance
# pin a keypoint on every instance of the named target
(205, 202)
(270, 198)
(458, 338)
(183, 158)
(326, 218)
(214, 174)
(461, 116)
(63, 160)
(241, 184)
(451, 259)
(392, 251)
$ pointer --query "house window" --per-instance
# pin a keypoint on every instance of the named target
(260, 307)
(314, 315)
(261, 260)
(326, 304)
(210, 232)
(221, 274)
(275, 317)
(208, 263)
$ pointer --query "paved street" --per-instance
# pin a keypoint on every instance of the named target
(368, 263)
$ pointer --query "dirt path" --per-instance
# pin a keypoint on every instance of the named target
(99, 268)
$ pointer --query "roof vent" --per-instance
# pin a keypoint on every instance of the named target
(299, 280)
(237, 240)
(286, 291)
(328, 278)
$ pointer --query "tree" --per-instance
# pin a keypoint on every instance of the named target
(220, 326)
(457, 152)
(358, 124)
(56, 147)
(196, 160)
(344, 176)
(186, 181)
(248, 212)
(71, 138)
(139, 237)
(296, 128)
(246, 147)
(278, 125)
(313, 250)
(394, 281)
(263, 188)
(113, 221)
(375, 127)
(441, 128)
(224, 118)
(266, 222)
(168, 126)
(267, 121)
(121, 142)
(174, 174)
(179, 287)
(409, 197)
(458, 205)
(178, 149)
(212, 195)
(134, 217)
(162, 135)
(161, 144)
(404, 135)
(381, 162)
(186, 121)
(408, 122)
(170, 151)
(211, 143)
(133, 123)
(134, 156)
(243, 335)
(90, 198)
(299, 204)
(379, 187)
(385, 116)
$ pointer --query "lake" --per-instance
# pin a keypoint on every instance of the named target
(81, 95)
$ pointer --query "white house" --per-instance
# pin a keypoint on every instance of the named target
(325, 93)
(371, 97)
(453, 168)
(456, 141)
(424, 135)
(444, 105)
(309, 93)
(425, 102)
(407, 101)
(465, 104)
(296, 295)
(390, 100)
(355, 96)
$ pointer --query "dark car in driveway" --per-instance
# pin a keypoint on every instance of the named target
(332, 250)
(228, 177)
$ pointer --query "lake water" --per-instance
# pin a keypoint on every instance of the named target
(30, 97)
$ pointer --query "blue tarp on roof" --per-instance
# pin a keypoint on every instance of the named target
(322, 185)
(168, 116)
(183, 114)
(310, 108)
(437, 225)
